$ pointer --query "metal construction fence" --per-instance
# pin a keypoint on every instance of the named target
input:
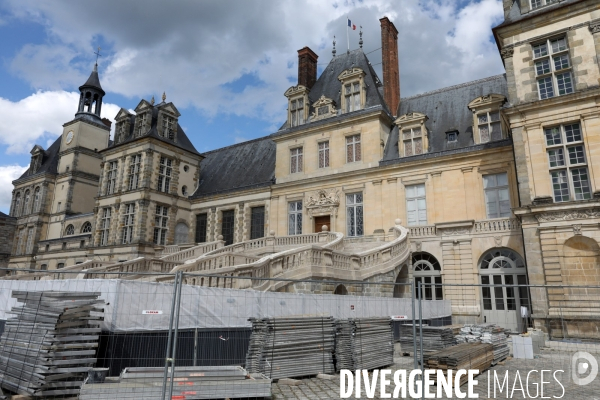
(187, 336)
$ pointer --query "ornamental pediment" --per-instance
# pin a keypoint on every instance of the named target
(170, 108)
(142, 106)
(296, 90)
(324, 108)
(351, 73)
(123, 113)
(486, 100)
(413, 117)
(322, 202)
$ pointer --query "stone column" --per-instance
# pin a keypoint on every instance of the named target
(374, 208)
(121, 178)
(146, 169)
(469, 198)
(389, 204)
(438, 195)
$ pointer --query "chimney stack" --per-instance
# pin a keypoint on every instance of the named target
(389, 58)
(307, 67)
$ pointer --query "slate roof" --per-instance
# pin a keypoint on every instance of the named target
(93, 80)
(49, 161)
(447, 110)
(242, 166)
(183, 141)
(2, 215)
(329, 86)
(515, 15)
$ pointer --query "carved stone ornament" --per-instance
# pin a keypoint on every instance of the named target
(507, 52)
(567, 215)
(322, 202)
(577, 229)
(418, 246)
(455, 231)
(324, 108)
(498, 241)
(595, 26)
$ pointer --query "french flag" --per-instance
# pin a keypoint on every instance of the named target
(351, 25)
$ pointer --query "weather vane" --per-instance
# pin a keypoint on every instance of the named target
(97, 53)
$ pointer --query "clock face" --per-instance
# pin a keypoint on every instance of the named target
(70, 137)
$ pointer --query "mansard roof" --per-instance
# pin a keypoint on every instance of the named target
(49, 161)
(242, 166)
(516, 15)
(183, 141)
(329, 85)
(446, 110)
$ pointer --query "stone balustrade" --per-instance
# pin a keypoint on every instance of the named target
(483, 226)
(192, 252)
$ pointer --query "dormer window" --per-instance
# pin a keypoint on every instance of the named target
(297, 112)
(141, 124)
(452, 136)
(412, 138)
(324, 108)
(120, 132)
(487, 120)
(541, 3)
(168, 124)
(353, 91)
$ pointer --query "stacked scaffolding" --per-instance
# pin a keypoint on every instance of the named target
(364, 343)
(434, 338)
(49, 346)
(291, 347)
(486, 333)
(462, 356)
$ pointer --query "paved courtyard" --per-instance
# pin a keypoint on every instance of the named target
(550, 359)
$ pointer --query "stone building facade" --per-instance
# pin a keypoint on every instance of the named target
(494, 179)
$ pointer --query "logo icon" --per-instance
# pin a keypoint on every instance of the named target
(583, 363)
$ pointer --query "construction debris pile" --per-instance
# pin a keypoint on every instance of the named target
(48, 347)
(462, 356)
(486, 333)
(291, 347)
(434, 338)
(363, 343)
(189, 383)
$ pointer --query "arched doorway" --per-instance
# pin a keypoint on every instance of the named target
(427, 271)
(341, 290)
(501, 305)
(181, 233)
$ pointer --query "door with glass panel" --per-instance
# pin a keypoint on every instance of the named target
(501, 301)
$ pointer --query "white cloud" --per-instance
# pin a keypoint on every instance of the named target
(8, 173)
(195, 50)
(39, 117)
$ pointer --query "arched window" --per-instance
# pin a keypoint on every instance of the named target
(36, 200)
(70, 230)
(427, 271)
(181, 233)
(341, 290)
(44, 267)
(86, 228)
(496, 259)
(26, 203)
(17, 205)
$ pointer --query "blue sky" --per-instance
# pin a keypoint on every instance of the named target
(225, 64)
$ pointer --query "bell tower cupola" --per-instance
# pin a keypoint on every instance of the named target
(90, 100)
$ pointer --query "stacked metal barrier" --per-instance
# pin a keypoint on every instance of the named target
(486, 333)
(364, 343)
(190, 383)
(434, 338)
(466, 356)
(291, 347)
(50, 345)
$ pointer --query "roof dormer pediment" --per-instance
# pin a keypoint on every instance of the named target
(296, 91)
(143, 106)
(350, 73)
(492, 100)
(411, 118)
(170, 108)
(123, 113)
(37, 149)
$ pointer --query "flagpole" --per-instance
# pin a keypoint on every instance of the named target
(347, 38)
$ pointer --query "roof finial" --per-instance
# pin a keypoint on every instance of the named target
(152, 100)
(360, 42)
(97, 53)
(164, 97)
(333, 51)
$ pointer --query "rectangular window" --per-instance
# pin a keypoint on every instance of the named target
(257, 222)
(295, 218)
(111, 178)
(20, 240)
(324, 154)
(201, 225)
(567, 162)
(496, 195)
(128, 218)
(165, 171)
(553, 68)
(297, 112)
(416, 205)
(296, 160)
(168, 125)
(353, 150)
(29, 247)
(161, 219)
(489, 126)
(412, 142)
(134, 171)
(228, 226)
(141, 120)
(354, 214)
(58, 206)
(104, 226)
(352, 96)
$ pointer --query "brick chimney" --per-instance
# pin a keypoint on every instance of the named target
(307, 67)
(107, 122)
(391, 71)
